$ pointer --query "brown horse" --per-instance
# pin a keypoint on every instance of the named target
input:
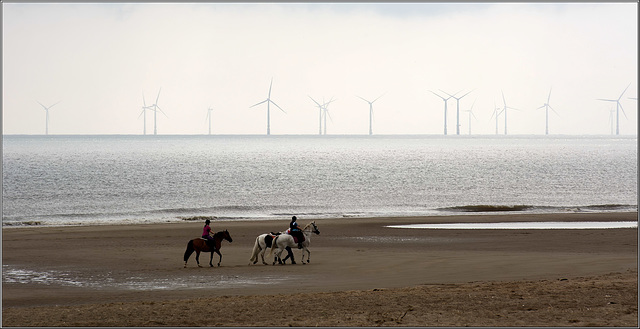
(200, 245)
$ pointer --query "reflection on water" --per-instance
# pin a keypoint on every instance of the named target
(523, 225)
(11, 274)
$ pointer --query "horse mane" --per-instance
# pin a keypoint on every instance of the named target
(306, 226)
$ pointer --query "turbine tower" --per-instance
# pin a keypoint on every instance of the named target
(326, 112)
(144, 112)
(445, 110)
(268, 101)
(618, 107)
(46, 110)
(470, 111)
(495, 113)
(457, 109)
(547, 107)
(370, 112)
(505, 112)
(209, 117)
(155, 108)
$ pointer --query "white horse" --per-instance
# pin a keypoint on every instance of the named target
(286, 240)
(264, 242)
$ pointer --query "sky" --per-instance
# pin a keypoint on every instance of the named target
(99, 60)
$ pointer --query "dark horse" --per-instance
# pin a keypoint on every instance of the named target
(200, 245)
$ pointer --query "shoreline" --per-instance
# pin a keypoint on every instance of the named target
(140, 264)
(540, 216)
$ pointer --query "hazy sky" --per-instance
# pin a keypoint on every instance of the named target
(99, 59)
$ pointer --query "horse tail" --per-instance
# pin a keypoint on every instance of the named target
(189, 251)
(256, 249)
(273, 245)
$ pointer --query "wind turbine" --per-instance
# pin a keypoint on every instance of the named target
(496, 114)
(470, 111)
(144, 112)
(320, 108)
(547, 107)
(209, 117)
(370, 112)
(155, 110)
(445, 110)
(325, 107)
(457, 109)
(618, 107)
(505, 112)
(268, 101)
(46, 110)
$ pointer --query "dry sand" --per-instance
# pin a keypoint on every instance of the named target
(360, 274)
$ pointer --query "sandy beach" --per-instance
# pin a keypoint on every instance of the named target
(361, 274)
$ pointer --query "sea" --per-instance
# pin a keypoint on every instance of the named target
(60, 180)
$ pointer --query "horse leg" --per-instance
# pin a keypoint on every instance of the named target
(211, 260)
(262, 256)
(219, 254)
(198, 258)
(308, 254)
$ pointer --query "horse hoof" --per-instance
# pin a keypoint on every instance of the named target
(293, 263)
(199, 265)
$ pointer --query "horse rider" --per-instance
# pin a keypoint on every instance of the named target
(206, 234)
(295, 231)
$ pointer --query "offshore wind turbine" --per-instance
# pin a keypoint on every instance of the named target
(46, 110)
(326, 112)
(370, 112)
(144, 112)
(268, 101)
(445, 110)
(505, 112)
(155, 108)
(470, 111)
(547, 107)
(457, 109)
(496, 114)
(618, 107)
(209, 117)
(320, 109)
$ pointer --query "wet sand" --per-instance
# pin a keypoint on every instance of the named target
(361, 274)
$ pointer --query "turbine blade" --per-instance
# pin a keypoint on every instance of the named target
(259, 103)
(363, 99)
(541, 107)
(143, 101)
(554, 110)
(548, 98)
(466, 94)
(625, 115)
(41, 105)
(505, 102)
(447, 93)
(274, 103)
(314, 100)
(606, 100)
(379, 97)
(437, 95)
(158, 95)
(625, 89)
(270, 87)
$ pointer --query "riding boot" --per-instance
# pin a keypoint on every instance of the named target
(300, 245)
